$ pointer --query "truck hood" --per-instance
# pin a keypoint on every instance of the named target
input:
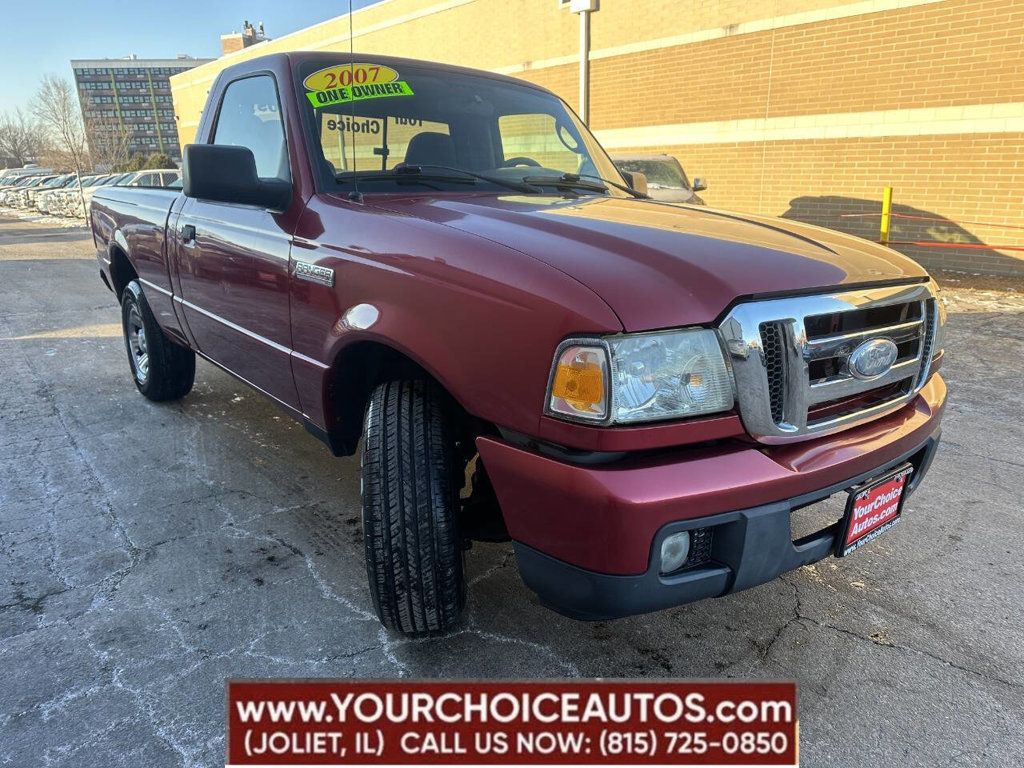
(660, 265)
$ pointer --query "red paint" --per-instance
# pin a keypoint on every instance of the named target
(479, 289)
(603, 518)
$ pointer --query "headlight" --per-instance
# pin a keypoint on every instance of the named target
(668, 375)
(641, 377)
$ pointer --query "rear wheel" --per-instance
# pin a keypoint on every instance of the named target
(410, 490)
(160, 369)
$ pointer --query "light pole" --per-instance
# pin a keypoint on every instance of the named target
(583, 8)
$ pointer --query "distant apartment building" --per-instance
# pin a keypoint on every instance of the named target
(127, 107)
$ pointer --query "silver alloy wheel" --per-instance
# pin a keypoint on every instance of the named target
(137, 345)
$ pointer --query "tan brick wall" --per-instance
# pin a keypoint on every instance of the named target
(231, 43)
(954, 53)
(497, 34)
(971, 183)
(664, 65)
(963, 52)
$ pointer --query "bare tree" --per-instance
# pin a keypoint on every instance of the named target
(110, 141)
(56, 107)
(21, 137)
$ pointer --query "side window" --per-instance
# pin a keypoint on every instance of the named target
(250, 116)
(537, 137)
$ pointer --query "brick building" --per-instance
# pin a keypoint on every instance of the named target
(796, 108)
(127, 103)
(236, 41)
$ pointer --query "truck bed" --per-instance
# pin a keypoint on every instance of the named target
(134, 220)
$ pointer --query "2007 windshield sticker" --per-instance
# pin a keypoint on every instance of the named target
(343, 83)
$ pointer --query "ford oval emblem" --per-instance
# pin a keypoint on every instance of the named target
(873, 358)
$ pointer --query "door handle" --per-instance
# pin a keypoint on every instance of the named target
(188, 234)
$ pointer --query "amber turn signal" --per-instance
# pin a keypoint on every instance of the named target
(579, 383)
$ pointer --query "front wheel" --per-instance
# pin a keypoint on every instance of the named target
(160, 369)
(410, 508)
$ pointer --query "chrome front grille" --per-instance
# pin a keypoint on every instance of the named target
(774, 363)
(931, 319)
(791, 358)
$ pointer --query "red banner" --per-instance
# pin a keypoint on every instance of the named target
(512, 723)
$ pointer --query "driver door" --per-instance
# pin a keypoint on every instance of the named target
(233, 259)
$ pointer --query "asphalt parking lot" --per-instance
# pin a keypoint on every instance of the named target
(148, 552)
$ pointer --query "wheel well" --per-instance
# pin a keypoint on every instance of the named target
(121, 270)
(356, 372)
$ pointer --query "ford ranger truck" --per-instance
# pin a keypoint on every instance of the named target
(442, 268)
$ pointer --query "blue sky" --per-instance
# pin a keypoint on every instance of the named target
(41, 36)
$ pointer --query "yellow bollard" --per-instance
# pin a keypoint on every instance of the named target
(883, 235)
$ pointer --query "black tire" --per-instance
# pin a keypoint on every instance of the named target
(410, 509)
(161, 369)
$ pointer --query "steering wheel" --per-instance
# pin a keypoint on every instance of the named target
(512, 162)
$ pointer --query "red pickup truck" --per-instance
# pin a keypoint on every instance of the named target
(443, 266)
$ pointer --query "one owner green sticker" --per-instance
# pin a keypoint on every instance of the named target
(345, 94)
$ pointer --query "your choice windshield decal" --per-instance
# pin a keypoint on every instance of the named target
(343, 83)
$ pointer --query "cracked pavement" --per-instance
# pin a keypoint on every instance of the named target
(149, 552)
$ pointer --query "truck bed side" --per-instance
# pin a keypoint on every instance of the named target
(129, 228)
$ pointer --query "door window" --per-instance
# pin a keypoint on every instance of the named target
(250, 116)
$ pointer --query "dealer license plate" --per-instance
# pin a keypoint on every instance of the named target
(872, 509)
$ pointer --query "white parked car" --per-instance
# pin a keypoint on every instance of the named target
(113, 180)
(18, 197)
(51, 201)
(33, 196)
(157, 177)
(68, 201)
(12, 184)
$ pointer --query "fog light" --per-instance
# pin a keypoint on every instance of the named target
(674, 551)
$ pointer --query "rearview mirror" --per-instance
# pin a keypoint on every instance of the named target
(699, 184)
(636, 181)
(227, 174)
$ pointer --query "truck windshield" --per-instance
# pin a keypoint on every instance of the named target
(400, 126)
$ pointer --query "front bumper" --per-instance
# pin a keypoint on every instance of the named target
(584, 534)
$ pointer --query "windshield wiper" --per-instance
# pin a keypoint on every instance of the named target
(417, 170)
(615, 184)
(565, 181)
(415, 173)
(409, 178)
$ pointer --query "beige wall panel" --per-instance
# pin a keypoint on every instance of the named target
(811, 67)
(971, 183)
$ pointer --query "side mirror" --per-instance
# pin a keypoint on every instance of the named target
(699, 184)
(227, 174)
(636, 181)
